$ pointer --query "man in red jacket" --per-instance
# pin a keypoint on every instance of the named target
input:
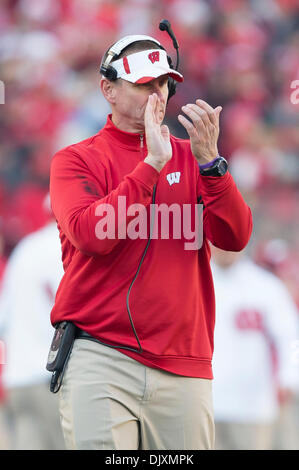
(143, 381)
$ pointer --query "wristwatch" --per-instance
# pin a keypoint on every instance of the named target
(216, 167)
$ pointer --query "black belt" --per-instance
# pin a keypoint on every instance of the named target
(80, 334)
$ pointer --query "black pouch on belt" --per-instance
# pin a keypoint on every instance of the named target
(60, 351)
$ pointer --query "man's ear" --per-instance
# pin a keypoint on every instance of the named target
(108, 89)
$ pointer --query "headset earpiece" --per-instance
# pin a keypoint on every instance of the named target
(171, 81)
(109, 72)
(171, 88)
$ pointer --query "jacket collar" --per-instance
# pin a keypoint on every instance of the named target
(130, 140)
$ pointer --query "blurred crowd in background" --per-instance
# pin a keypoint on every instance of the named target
(240, 54)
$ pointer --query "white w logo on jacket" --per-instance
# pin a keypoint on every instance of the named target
(173, 177)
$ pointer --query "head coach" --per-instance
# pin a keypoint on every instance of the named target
(138, 371)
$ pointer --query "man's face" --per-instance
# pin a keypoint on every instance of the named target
(131, 99)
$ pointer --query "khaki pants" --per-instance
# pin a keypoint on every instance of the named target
(110, 401)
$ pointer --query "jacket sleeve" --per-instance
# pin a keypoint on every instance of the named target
(227, 219)
(79, 199)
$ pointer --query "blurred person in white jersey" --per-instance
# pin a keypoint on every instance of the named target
(30, 282)
(257, 323)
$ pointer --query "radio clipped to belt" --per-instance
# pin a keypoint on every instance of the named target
(60, 351)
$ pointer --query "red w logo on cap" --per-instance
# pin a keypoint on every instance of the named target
(154, 56)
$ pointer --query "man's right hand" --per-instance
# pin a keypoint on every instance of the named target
(157, 136)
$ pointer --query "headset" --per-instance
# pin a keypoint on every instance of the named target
(115, 50)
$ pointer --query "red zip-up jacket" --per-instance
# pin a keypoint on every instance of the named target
(171, 301)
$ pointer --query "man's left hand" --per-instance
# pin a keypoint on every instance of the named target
(203, 130)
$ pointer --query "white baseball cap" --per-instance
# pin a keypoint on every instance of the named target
(144, 66)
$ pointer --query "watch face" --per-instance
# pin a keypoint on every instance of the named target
(222, 167)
